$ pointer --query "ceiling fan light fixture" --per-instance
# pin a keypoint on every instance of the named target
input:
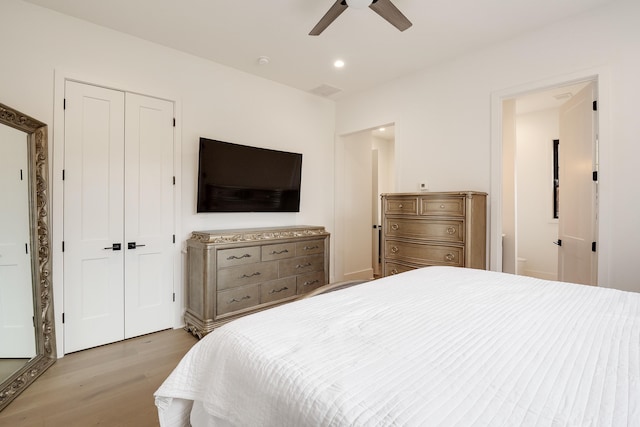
(359, 4)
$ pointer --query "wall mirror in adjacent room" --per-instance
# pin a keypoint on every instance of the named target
(27, 340)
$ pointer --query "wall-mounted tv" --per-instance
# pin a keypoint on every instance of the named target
(240, 178)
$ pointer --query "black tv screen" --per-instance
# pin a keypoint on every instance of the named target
(240, 178)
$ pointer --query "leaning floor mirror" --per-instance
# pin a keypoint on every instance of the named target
(27, 339)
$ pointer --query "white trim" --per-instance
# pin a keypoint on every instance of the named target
(602, 76)
(56, 152)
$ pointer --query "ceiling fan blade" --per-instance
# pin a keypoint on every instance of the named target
(338, 7)
(388, 11)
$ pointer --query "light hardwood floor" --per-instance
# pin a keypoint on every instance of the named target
(111, 385)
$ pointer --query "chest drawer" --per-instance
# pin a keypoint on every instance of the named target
(393, 268)
(442, 230)
(301, 265)
(281, 251)
(401, 206)
(238, 298)
(442, 206)
(308, 282)
(238, 256)
(243, 275)
(310, 247)
(277, 289)
(424, 254)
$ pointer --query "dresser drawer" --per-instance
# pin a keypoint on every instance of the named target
(392, 268)
(238, 298)
(424, 254)
(453, 206)
(281, 251)
(441, 230)
(277, 289)
(238, 256)
(310, 247)
(401, 206)
(308, 282)
(301, 265)
(243, 275)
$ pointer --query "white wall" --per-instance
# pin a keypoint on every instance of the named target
(537, 230)
(443, 118)
(214, 101)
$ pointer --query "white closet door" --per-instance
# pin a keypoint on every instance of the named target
(17, 335)
(93, 216)
(148, 215)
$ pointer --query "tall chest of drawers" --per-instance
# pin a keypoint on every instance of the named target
(232, 273)
(423, 229)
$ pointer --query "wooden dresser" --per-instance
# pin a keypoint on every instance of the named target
(232, 273)
(422, 229)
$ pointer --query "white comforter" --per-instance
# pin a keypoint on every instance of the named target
(436, 346)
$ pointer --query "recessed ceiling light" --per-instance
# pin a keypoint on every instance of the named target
(339, 63)
(382, 129)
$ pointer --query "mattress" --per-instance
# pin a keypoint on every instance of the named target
(438, 346)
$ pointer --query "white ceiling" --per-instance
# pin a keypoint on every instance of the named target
(236, 33)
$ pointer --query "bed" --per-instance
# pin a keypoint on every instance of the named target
(438, 346)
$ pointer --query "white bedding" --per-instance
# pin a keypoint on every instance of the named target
(437, 346)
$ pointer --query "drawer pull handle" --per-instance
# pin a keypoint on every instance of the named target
(308, 264)
(394, 227)
(394, 249)
(312, 282)
(279, 252)
(238, 257)
(442, 206)
(451, 230)
(277, 291)
(400, 206)
(449, 257)
(245, 276)
(308, 248)
(394, 271)
(239, 300)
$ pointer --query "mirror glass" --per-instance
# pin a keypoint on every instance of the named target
(17, 331)
(27, 341)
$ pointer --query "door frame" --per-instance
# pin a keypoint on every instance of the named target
(56, 148)
(602, 77)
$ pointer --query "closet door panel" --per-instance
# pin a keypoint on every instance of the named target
(93, 220)
(149, 219)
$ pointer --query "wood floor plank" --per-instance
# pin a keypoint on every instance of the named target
(111, 385)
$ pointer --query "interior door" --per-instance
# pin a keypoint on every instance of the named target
(577, 226)
(17, 333)
(149, 222)
(93, 216)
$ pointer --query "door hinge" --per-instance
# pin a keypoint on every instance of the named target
(62, 317)
(63, 174)
(174, 297)
(174, 238)
(174, 180)
(593, 246)
(595, 175)
(64, 104)
(26, 248)
(174, 122)
(21, 178)
(595, 105)
(63, 246)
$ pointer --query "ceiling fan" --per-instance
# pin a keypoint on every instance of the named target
(384, 8)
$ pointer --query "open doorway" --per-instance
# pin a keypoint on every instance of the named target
(549, 193)
(364, 169)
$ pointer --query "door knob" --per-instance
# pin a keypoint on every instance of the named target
(133, 245)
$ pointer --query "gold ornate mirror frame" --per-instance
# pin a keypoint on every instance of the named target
(41, 260)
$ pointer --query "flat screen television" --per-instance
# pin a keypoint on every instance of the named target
(240, 178)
